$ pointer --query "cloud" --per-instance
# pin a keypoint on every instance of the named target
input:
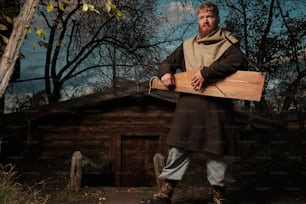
(178, 11)
(170, 48)
(181, 7)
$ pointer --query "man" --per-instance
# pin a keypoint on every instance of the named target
(201, 124)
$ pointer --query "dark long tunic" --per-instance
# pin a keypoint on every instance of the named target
(203, 123)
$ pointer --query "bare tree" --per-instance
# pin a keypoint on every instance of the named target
(295, 51)
(81, 37)
(264, 40)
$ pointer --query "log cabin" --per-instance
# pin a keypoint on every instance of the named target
(118, 131)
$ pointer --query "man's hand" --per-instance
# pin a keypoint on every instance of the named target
(197, 81)
(168, 80)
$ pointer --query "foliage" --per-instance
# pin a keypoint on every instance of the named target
(13, 192)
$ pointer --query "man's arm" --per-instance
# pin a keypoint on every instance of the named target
(173, 62)
(229, 63)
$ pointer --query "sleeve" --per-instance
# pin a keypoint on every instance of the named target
(231, 61)
(173, 62)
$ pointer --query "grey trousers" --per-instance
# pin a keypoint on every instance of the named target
(218, 168)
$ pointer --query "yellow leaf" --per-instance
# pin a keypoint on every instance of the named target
(34, 45)
(66, 1)
(29, 30)
(4, 39)
(9, 19)
(91, 7)
(97, 11)
(50, 7)
(112, 10)
(108, 6)
(120, 14)
(41, 33)
(85, 7)
(3, 27)
(61, 6)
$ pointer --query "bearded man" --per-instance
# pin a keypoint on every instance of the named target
(201, 124)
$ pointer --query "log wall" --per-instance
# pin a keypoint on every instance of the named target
(98, 132)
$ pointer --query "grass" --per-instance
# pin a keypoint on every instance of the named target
(12, 192)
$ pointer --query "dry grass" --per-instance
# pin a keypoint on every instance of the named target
(12, 192)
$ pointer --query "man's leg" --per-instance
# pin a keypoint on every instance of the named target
(218, 176)
(176, 165)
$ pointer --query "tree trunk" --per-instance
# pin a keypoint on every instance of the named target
(11, 52)
(55, 96)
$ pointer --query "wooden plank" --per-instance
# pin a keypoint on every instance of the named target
(243, 85)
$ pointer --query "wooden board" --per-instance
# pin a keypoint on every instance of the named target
(243, 85)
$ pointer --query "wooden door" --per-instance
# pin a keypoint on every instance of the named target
(137, 160)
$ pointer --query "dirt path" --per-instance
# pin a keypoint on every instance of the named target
(112, 195)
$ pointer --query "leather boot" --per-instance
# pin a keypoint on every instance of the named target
(216, 195)
(165, 193)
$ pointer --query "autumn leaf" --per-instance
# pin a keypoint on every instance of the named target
(89, 7)
(50, 7)
(4, 39)
(97, 11)
(3, 27)
(112, 10)
(85, 7)
(110, 7)
(120, 15)
(61, 6)
(29, 30)
(34, 45)
(9, 19)
(41, 33)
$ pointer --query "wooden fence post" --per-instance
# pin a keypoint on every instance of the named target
(159, 163)
(76, 171)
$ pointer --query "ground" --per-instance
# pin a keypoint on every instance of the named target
(269, 171)
(110, 195)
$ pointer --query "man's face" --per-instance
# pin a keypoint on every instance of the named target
(207, 22)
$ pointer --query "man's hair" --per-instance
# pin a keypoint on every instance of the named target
(208, 6)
